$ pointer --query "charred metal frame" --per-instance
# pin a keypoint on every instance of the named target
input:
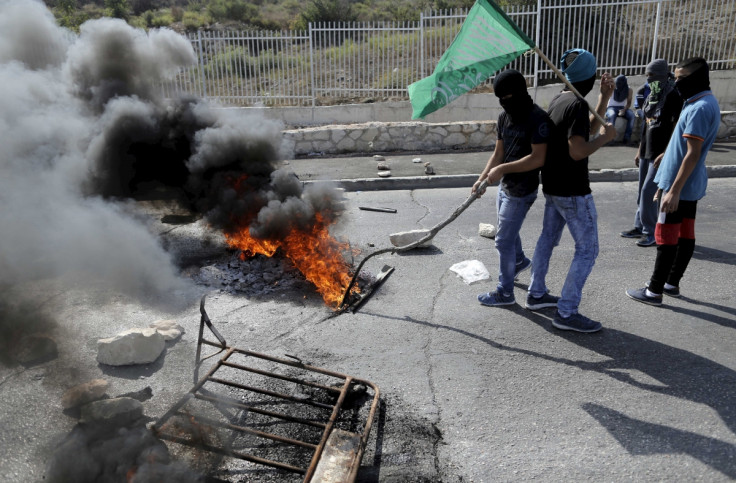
(199, 393)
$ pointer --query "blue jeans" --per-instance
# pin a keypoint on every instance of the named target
(511, 213)
(612, 114)
(581, 218)
(647, 209)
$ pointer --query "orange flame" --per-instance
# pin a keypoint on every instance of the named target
(315, 253)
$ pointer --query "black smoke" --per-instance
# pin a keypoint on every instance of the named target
(83, 129)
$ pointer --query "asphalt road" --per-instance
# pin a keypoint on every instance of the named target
(469, 393)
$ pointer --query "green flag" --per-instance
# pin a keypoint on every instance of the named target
(487, 41)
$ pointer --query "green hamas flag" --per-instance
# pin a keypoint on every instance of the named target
(487, 41)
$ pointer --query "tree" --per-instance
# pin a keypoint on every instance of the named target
(328, 11)
(118, 8)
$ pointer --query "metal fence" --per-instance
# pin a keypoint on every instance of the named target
(344, 62)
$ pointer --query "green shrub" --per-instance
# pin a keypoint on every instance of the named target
(394, 80)
(237, 62)
(161, 19)
(235, 10)
(195, 20)
(117, 8)
(177, 13)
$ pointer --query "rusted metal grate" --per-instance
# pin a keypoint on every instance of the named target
(273, 411)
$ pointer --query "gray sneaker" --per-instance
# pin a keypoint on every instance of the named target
(543, 302)
(576, 322)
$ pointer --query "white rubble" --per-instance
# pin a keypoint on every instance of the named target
(168, 328)
(487, 230)
(134, 346)
(404, 238)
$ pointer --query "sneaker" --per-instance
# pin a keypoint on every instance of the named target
(496, 299)
(640, 295)
(522, 266)
(647, 241)
(536, 303)
(633, 233)
(576, 322)
(672, 292)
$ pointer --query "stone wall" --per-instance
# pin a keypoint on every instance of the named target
(421, 136)
(391, 136)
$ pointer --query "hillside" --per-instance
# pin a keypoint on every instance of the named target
(190, 15)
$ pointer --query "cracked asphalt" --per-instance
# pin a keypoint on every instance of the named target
(469, 393)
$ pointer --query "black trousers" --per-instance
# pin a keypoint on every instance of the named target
(675, 235)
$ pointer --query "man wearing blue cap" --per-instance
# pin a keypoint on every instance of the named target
(566, 187)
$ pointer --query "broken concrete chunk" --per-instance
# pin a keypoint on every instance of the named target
(416, 160)
(119, 411)
(384, 174)
(168, 328)
(404, 238)
(383, 166)
(378, 157)
(84, 393)
(134, 346)
(487, 230)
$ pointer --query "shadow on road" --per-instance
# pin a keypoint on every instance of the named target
(680, 374)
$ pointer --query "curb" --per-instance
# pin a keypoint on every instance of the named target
(467, 180)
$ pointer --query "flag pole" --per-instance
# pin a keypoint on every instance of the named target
(568, 84)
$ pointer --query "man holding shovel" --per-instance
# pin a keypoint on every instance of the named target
(523, 132)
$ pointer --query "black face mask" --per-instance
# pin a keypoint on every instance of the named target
(697, 81)
(518, 106)
(584, 87)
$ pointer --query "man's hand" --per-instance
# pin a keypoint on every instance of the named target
(608, 132)
(475, 187)
(495, 175)
(636, 160)
(622, 113)
(670, 202)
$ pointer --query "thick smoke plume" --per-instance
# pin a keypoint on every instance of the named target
(83, 129)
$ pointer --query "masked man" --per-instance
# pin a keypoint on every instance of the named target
(566, 187)
(523, 132)
(682, 179)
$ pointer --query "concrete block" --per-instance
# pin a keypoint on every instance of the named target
(404, 238)
(134, 346)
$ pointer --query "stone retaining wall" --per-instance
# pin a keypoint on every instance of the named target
(418, 136)
(391, 136)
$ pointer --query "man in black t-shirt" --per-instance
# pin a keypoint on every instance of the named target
(566, 188)
(523, 132)
(661, 111)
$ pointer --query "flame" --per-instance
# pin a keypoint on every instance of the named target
(314, 252)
